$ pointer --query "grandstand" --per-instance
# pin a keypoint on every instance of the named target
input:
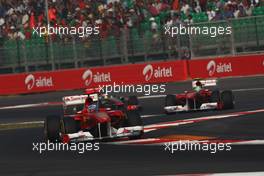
(130, 31)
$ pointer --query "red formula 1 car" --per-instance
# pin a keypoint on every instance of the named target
(99, 118)
(200, 98)
(74, 104)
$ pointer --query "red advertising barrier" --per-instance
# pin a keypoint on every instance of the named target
(156, 72)
(39, 82)
(228, 66)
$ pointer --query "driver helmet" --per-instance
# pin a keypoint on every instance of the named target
(90, 104)
(105, 96)
(88, 101)
(198, 86)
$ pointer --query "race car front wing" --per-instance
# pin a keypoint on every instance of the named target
(180, 108)
(83, 136)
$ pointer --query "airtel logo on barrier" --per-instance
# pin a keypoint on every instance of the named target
(212, 67)
(89, 77)
(159, 72)
(31, 82)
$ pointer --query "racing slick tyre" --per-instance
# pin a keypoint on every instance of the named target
(227, 99)
(132, 100)
(52, 128)
(170, 100)
(134, 119)
(69, 125)
(215, 96)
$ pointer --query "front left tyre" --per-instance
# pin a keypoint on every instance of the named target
(52, 128)
(134, 119)
(170, 100)
(69, 125)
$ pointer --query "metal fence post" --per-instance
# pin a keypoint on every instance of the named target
(191, 46)
(233, 49)
(256, 29)
(25, 56)
(144, 41)
(124, 42)
(74, 53)
(18, 53)
(101, 51)
(50, 39)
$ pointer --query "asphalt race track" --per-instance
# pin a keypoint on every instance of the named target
(242, 124)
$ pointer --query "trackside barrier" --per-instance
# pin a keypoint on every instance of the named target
(154, 72)
(227, 66)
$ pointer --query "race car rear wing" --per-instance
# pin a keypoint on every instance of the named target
(205, 82)
(74, 100)
(73, 104)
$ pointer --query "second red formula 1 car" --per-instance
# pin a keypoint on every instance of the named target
(200, 98)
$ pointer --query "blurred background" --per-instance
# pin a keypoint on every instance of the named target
(131, 31)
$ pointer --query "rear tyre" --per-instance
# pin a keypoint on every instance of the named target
(52, 128)
(70, 125)
(227, 99)
(132, 100)
(134, 119)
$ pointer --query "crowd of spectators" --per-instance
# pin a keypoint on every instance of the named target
(17, 17)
